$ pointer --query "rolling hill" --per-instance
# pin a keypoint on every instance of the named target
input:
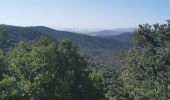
(13, 34)
(112, 32)
(124, 37)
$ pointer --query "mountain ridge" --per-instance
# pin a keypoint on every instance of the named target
(18, 33)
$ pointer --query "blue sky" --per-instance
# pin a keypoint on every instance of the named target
(84, 13)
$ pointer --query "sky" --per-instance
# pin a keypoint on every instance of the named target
(91, 14)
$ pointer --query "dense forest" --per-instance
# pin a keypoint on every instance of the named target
(36, 66)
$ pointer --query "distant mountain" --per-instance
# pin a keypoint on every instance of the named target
(98, 32)
(124, 37)
(14, 34)
(85, 31)
(117, 31)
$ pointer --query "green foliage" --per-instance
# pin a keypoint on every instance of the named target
(43, 69)
(2, 67)
(94, 84)
(147, 65)
(107, 67)
(105, 58)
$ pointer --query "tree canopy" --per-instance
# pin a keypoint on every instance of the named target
(46, 70)
(146, 73)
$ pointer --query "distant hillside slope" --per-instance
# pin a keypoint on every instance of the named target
(14, 34)
(113, 32)
(124, 37)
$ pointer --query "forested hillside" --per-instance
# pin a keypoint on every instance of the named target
(14, 34)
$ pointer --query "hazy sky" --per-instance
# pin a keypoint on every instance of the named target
(84, 13)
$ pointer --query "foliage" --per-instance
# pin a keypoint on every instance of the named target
(147, 66)
(107, 65)
(47, 70)
(105, 58)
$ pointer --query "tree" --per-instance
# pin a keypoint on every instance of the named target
(84, 87)
(44, 69)
(146, 73)
(8, 89)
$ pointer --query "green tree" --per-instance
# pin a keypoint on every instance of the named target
(8, 88)
(84, 87)
(146, 73)
(44, 69)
